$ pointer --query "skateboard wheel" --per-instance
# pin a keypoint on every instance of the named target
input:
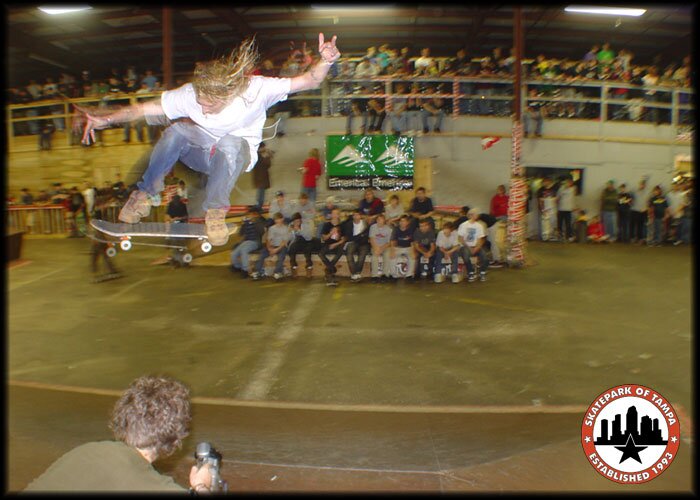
(125, 245)
(206, 247)
(187, 258)
(111, 252)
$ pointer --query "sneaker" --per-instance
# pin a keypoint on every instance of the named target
(496, 263)
(277, 276)
(439, 278)
(255, 276)
(455, 278)
(471, 277)
(136, 207)
(677, 242)
(217, 230)
(482, 277)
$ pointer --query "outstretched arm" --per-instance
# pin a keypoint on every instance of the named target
(96, 121)
(312, 79)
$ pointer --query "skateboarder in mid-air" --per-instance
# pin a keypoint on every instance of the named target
(225, 104)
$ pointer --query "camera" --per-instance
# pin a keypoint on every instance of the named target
(207, 454)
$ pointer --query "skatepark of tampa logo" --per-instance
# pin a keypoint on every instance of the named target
(630, 434)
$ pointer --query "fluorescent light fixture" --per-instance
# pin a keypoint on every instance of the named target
(610, 11)
(64, 10)
(351, 7)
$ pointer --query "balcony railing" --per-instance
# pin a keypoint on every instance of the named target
(464, 96)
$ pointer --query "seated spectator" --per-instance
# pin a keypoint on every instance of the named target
(332, 242)
(592, 55)
(472, 237)
(393, 210)
(380, 243)
(366, 69)
(376, 114)
(421, 64)
(605, 55)
(358, 108)
(150, 421)
(447, 247)
(421, 207)
(42, 198)
(326, 213)
(252, 230)
(595, 231)
(280, 205)
(398, 114)
(357, 247)
(402, 247)
(278, 236)
(370, 206)
(383, 58)
(413, 109)
(26, 197)
(424, 246)
(150, 80)
(302, 241)
(433, 107)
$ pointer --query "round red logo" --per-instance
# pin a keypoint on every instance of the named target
(630, 434)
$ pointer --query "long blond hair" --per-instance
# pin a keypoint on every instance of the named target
(228, 77)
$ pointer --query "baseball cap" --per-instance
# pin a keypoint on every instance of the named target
(279, 193)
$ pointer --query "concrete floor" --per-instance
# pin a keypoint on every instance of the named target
(394, 387)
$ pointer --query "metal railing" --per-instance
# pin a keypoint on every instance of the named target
(464, 96)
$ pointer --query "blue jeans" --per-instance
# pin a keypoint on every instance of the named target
(188, 143)
(265, 253)
(454, 258)
(242, 253)
(686, 229)
(260, 196)
(438, 119)
(657, 225)
(481, 258)
(311, 192)
(348, 126)
(610, 224)
(528, 118)
(399, 121)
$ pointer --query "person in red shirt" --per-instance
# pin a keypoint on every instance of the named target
(595, 230)
(311, 172)
(499, 210)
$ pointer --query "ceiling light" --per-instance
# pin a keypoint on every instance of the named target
(350, 7)
(63, 10)
(610, 11)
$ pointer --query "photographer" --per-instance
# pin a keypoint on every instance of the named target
(149, 421)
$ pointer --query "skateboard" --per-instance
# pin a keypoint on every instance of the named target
(171, 232)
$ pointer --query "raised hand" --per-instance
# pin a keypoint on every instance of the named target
(92, 123)
(329, 52)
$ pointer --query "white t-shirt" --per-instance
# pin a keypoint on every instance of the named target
(244, 117)
(471, 232)
(674, 198)
(447, 242)
(566, 195)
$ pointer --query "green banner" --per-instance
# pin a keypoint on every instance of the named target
(379, 161)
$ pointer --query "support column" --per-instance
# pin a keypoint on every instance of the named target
(168, 48)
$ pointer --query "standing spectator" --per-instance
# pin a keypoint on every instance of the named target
(332, 241)
(402, 247)
(89, 192)
(252, 230)
(376, 115)
(499, 210)
(357, 248)
(366, 69)
(472, 238)
(176, 213)
(150, 80)
(424, 247)
(686, 226)
(592, 55)
(370, 206)
(279, 204)
(398, 114)
(261, 173)
(608, 210)
(358, 108)
(534, 112)
(380, 242)
(278, 237)
(651, 96)
(566, 200)
(421, 207)
(638, 216)
(311, 171)
(150, 129)
(302, 241)
(547, 202)
(383, 58)
(182, 190)
(75, 207)
(447, 247)
(393, 210)
(658, 214)
(624, 207)
(674, 198)
(45, 135)
(103, 199)
(605, 55)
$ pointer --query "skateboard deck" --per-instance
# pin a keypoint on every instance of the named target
(171, 232)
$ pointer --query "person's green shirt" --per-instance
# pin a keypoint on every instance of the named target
(605, 56)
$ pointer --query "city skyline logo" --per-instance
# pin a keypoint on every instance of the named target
(630, 434)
